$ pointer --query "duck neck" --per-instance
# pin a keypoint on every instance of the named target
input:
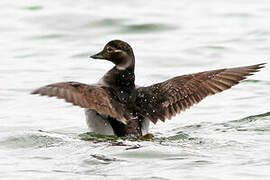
(120, 79)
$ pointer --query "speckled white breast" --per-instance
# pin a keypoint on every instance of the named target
(100, 125)
(97, 123)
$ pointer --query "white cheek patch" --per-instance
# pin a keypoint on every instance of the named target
(128, 62)
(124, 65)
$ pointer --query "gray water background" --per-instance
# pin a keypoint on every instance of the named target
(226, 136)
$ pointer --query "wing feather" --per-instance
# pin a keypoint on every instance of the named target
(87, 96)
(180, 93)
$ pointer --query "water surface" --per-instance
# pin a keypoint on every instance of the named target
(226, 136)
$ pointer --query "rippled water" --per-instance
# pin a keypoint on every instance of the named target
(227, 136)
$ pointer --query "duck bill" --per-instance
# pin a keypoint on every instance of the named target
(98, 56)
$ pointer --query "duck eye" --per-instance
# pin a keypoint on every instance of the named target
(109, 49)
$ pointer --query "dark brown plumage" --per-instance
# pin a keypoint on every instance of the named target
(180, 93)
(124, 106)
(87, 96)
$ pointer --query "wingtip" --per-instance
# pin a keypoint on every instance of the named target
(34, 92)
(261, 65)
(257, 67)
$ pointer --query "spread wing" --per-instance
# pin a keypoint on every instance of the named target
(87, 96)
(166, 99)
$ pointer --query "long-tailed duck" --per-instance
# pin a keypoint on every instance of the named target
(115, 105)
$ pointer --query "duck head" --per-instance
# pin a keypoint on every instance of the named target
(118, 52)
